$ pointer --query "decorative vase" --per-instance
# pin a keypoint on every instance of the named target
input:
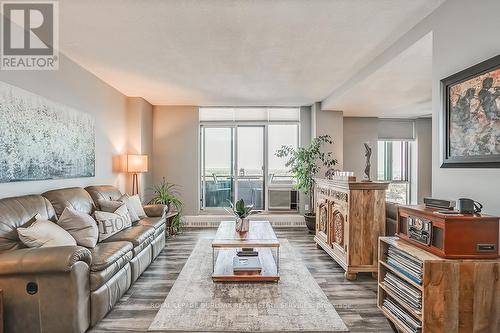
(242, 225)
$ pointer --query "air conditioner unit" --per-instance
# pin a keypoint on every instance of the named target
(283, 199)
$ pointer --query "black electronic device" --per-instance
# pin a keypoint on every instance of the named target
(439, 203)
(469, 206)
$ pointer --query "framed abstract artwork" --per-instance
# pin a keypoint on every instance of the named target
(40, 139)
(471, 117)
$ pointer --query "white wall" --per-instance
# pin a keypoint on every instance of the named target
(175, 151)
(465, 33)
(75, 87)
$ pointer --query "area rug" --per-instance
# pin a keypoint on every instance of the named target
(295, 304)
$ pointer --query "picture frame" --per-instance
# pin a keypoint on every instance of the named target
(471, 117)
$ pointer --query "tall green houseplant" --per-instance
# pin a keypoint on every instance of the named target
(305, 163)
(167, 194)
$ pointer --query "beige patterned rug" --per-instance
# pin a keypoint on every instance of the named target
(295, 304)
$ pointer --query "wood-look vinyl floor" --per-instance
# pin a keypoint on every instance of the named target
(354, 301)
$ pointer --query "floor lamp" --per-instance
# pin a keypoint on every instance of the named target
(136, 164)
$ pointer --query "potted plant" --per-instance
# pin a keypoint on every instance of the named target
(241, 212)
(305, 162)
(167, 194)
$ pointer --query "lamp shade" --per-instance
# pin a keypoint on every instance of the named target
(137, 163)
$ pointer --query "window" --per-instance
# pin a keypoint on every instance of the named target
(394, 166)
(237, 147)
(279, 135)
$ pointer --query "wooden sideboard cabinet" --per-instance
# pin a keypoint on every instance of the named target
(350, 216)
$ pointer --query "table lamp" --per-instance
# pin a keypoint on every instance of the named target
(136, 164)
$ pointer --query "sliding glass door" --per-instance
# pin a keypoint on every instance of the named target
(250, 165)
(217, 166)
(232, 165)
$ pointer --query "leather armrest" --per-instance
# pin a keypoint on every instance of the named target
(155, 210)
(43, 260)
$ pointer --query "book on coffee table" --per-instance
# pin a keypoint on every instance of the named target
(246, 265)
(247, 253)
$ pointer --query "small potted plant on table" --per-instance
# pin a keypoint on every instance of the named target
(241, 212)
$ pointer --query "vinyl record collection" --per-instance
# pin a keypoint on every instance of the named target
(403, 292)
(405, 264)
(410, 323)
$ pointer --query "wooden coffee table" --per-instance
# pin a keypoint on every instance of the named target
(227, 242)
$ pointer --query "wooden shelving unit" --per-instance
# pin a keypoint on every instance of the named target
(457, 295)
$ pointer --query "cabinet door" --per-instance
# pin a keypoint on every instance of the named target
(338, 224)
(322, 220)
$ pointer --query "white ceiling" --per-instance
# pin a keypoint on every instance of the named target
(400, 88)
(233, 52)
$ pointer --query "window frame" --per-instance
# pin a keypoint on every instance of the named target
(405, 165)
(235, 125)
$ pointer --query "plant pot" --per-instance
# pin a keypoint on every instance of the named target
(310, 222)
(242, 225)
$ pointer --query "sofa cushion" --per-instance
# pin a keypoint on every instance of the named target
(112, 205)
(114, 255)
(81, 226)
(45, 233)
(138, 249)
(19, 212)
(106, 254)
(135, 235)
(391, 209)
(155, 222)
(74, 197)
(134, 202)
(112, 223)
(103, 192)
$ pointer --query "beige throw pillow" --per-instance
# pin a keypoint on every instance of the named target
(111, 205)
(44, 233)
(81, 226)
(135, 203)
(111, 223)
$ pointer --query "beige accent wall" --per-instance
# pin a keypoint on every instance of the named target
(357, 131)
(75, 87)
(140, 141)
(329, 122)
(423, 136)
(175, 151)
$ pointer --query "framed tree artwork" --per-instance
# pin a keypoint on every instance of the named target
(41, 139)
(471, 119)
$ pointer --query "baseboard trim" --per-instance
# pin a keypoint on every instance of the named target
(213, 221)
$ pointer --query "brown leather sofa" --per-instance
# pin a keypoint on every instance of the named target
(391, 211)
(70, 288)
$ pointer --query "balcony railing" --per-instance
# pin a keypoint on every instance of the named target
(218, 191)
